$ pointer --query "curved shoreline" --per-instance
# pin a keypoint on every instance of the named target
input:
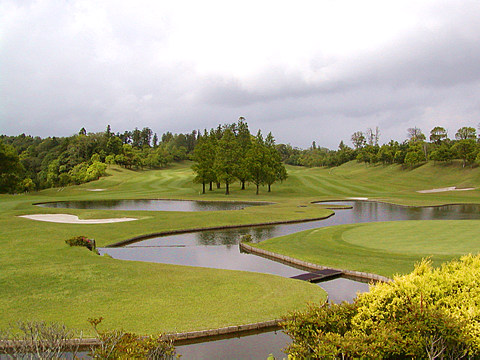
(193, 230)
(390, 203)
(185, 231)
(162, 199)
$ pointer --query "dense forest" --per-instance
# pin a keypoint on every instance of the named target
(225, 154)
(31, 163)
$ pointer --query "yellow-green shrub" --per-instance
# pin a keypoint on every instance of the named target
(431, 312)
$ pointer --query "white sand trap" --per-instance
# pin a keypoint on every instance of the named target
(95, 189)
(358, 198)
(72, 219)
(451, 188)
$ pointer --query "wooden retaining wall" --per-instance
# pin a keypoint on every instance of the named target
(176, 337)
(310, 266)
(272, 324)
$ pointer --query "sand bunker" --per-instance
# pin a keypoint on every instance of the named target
(72, 219)
(451, 188)
(95, 189)
(358, 198)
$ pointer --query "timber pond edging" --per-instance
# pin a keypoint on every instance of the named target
(237, 330)
(311, 266)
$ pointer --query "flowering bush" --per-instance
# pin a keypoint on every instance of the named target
(82, 241)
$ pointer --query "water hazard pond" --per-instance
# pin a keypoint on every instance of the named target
(153, 205)
(219, 249)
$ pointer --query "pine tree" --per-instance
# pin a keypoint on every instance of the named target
(204, 157)
(275, 170)
(257, 161)
(244, 139)
(227, 157)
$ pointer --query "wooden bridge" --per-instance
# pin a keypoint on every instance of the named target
(319, 275)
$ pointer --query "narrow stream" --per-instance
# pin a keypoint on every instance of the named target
(219, 249)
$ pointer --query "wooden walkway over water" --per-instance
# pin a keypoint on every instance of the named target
(319, 275)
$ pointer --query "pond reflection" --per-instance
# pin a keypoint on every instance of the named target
(360, 212)
(153, 205)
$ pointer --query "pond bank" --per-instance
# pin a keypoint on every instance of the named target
(212, 228)
(355, 275)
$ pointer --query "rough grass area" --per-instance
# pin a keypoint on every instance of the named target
(384, 248)
(42, 278)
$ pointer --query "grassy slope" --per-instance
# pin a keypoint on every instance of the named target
(42, 278)
(47, 280)
(385, 248)
(390, 183)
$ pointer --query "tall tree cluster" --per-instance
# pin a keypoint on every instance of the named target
(231, 153)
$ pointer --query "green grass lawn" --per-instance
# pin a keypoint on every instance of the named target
(42, 278)
(384, 248)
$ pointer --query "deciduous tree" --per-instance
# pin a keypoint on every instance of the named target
(438, 134)
(465, 149)
(10, 168)
(415, 135)
(358, 140)
(466, 133)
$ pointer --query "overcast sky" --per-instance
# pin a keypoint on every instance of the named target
(306, 70)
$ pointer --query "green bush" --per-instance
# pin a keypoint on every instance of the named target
(430, 313)
(247, 238)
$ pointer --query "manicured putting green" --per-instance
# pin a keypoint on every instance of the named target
(385, 248)
(418, 237)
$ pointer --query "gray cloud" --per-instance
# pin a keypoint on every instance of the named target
(60, 71)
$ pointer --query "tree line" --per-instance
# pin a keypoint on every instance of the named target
(413, 151)
(30, 163)
(230, 153)
(225, 154)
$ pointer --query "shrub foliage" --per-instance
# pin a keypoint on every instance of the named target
(429, 313)
(118, 344)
